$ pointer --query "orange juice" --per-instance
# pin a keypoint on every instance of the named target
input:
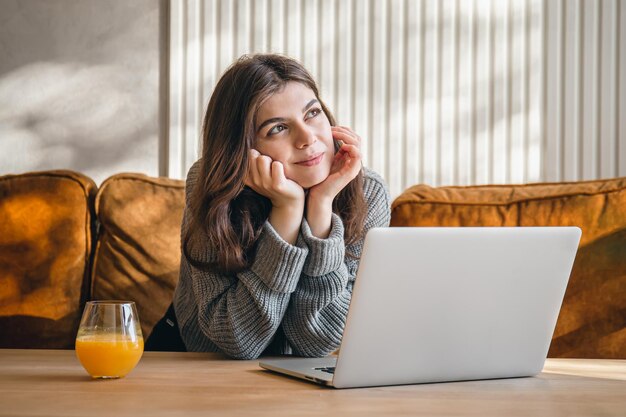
(110, 355)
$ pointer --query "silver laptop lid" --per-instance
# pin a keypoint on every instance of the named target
(444, 304)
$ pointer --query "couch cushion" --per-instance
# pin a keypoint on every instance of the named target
(45, 247)
(592, 321)
(137, 256)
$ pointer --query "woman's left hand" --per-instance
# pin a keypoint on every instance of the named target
(346, 165)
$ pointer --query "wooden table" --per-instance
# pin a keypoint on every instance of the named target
(53, 383)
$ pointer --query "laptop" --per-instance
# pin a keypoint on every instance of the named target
(447, 304)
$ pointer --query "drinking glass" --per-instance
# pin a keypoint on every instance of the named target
(109, 342)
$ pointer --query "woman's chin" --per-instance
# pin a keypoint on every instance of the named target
(311, 181)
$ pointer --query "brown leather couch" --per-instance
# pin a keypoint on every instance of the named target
(64, 241)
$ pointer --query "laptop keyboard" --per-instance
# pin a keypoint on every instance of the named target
(327, 369)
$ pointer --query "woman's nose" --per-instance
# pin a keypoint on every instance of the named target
(305, 137)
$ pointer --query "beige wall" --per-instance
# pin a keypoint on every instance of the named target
(79, 86)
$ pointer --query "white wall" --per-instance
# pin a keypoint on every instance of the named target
(443, 91)
(79, 86)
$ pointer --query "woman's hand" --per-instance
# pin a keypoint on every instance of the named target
(345, 168)
(267, 178)
(346, 165)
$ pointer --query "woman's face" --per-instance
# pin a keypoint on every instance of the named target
(292, 128)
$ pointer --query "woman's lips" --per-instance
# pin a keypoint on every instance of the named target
(313, 161)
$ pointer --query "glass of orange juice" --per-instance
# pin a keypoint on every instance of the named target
(109, 342)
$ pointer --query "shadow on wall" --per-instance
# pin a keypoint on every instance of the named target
(79, 86)
(85, 118)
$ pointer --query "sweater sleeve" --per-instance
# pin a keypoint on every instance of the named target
(239, 313)
(317, 313)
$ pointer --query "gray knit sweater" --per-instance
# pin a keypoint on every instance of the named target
(294, 298)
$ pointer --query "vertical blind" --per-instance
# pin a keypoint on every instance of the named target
(443, 92)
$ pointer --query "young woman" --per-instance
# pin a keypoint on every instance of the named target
(276, 212)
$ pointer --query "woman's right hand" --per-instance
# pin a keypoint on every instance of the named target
(267, 177)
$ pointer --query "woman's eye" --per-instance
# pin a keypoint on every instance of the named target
(313, 113)
(276, 129)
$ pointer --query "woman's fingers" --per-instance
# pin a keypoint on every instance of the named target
(267, 177)
(345, 129)
(339, 133)
(265, 173)
(347, 161)
(259, 171)
(346, 134)
(264, 166)
(351, 160)
(252, 174)
(352, 150)
(278, 174)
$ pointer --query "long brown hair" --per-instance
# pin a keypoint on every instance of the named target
(222, 209)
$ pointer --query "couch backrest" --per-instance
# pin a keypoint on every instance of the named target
(49, 267)
(45, 247)
(137, 256)
(592, 321)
